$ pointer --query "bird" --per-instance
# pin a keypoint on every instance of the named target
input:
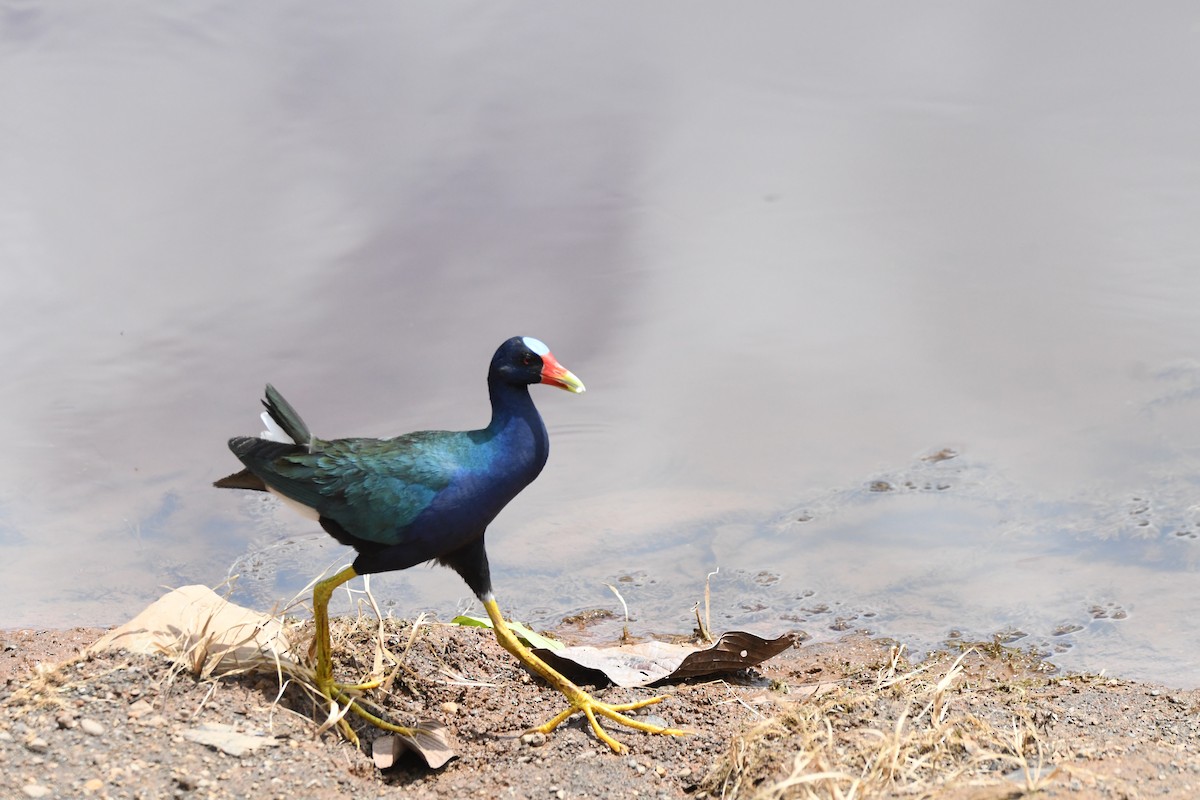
(418, 497)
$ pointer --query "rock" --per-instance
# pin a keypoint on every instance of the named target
(534, 739)
(91, 727)
(66, 720)
(227, 739)
(37, 745)
(657, 720)
(187, 783)
(450, 708)
(139, 709)
(35, 790)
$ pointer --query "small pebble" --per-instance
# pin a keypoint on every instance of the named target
(37, 744)
(94, 785)
(35, 790)
(450, 707)
(139, 709)
(187, 783)
(534, 739)
(91, 727)
(656, 720)
(66, 720)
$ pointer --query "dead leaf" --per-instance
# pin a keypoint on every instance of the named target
(523, 632)
(195, 625)
(734, 651)
(649, 662)
(431, 742)
(385, 750)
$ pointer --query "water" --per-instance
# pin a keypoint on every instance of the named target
(791, 254)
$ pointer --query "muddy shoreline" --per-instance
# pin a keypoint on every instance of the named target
(991, 724)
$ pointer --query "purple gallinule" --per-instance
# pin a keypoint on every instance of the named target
(422, 496)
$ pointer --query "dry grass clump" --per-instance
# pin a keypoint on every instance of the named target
(896, 734)
(42, 689)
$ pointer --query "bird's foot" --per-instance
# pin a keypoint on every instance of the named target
(341, 703)
(580, 701)
(583, 702)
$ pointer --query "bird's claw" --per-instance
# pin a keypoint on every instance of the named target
(590, 707)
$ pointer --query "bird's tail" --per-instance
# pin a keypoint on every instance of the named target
(280, 417)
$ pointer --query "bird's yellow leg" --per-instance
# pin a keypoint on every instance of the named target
(580, 701)
(337, 692)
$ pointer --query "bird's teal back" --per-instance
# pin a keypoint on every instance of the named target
(375, 489)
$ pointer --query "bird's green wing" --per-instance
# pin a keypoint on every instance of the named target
(372, 488)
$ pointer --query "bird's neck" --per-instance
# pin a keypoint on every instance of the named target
(516, 421)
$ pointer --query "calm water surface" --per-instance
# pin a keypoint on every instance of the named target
(792, 254)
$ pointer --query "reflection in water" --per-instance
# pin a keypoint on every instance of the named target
(789, 254)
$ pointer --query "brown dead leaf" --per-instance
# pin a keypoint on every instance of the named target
(649, 662)
(431, 741)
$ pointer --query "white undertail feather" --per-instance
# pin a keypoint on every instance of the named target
(274, 433)
(301, 509)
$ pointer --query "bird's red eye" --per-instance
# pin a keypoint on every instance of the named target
(527, 359)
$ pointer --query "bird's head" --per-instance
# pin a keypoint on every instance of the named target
(523, 361)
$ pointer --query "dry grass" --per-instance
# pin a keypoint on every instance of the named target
(901, 733)
(895, 732)
(44, 687)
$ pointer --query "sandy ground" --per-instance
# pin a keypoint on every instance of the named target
(850, 719)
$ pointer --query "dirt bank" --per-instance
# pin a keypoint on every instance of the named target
(852, 718)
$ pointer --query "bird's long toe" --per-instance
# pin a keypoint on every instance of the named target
(339, 705)
(357, 687)
(593, 708)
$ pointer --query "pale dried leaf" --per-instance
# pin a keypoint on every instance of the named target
(386, 749)
(194, 624)
(431, 741)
